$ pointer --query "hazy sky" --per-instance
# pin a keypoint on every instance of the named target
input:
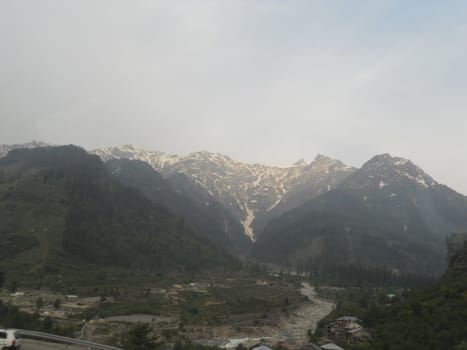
(261, 80)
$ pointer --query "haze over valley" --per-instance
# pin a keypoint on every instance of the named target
(233, 174)
(324, 211)
(71, 217)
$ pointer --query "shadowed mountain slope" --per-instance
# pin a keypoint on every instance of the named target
(183, 197)
(429, 319)
(252, 193)
(388, 213)
(62, 210)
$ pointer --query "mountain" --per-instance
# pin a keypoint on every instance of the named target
(4, 149)
(407, 198)
(253, 193)
(322, 175)
(388, 213)
(250, 194)
(62, 213)
(186, 199)
(323, 211)
(429, 319)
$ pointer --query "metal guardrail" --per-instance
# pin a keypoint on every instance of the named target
(65, 340)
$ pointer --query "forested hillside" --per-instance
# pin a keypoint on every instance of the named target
(389, 213)
(433, 319)
(62, 210)
(200, 211)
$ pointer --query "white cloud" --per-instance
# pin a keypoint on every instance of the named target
(269, 81)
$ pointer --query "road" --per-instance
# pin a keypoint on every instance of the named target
(27, 344)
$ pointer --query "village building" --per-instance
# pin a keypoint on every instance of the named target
(346, 329)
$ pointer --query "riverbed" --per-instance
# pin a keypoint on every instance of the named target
(291, 329)
(306, 317)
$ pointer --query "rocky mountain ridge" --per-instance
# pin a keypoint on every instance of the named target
(388, 205)
(384, 168)
(250, 191)
(255, 193)
(63, 213)
(193, 204)
(4, 149)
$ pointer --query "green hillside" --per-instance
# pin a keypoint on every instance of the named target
(61, 211)
(200, 211)
(429, 320)
(338, 228)
(388, 214)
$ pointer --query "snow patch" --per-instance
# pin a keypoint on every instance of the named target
(246, 223)
(382, 184)
(280, 195)
(233, 183)
(421, 178)
(401, 161)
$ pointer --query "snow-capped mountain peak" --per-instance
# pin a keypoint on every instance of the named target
(255, 193)
(396, 169)
(158, 160)
(248, 190)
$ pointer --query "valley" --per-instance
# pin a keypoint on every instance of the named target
(204, 251)
(206, 310)
(297, 214)
(250, 191)
(233, 175)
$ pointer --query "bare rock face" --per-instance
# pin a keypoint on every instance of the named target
(253, 193)
(390, 202)
(456, 243)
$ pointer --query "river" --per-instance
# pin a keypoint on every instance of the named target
(306, 317)
(291, 328)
